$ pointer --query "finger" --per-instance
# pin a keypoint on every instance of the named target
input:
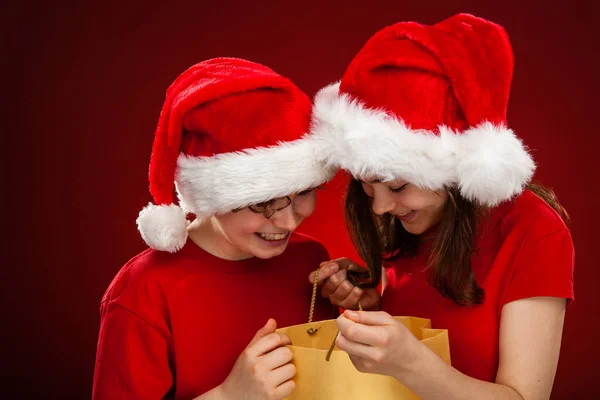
(343, 291)
(373, 318)
(282, 374)
(370, 299)
(333, 282)
(276, 358)
(351, 302)
(359, 333)
(324, 273)
(359, 364)
(268, 343)
(284, 390)
(269, 327)
(343, 262)
(354, 349)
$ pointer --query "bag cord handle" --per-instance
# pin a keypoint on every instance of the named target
(311, 331)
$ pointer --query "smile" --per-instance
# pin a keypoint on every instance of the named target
(273, 237)
(407, 216)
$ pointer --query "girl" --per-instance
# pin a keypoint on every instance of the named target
(195, 315)
(441, 196)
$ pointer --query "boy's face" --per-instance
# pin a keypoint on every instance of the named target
(248, 234)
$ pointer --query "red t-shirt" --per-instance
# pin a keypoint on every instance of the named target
(173, 325)
(523, 250)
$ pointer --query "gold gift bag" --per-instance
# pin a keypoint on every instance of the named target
(337, 379)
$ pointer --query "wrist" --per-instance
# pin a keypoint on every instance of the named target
(415, 361)
(215, 393)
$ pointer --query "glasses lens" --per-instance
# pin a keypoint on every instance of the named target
(268, 208)
(280, 203)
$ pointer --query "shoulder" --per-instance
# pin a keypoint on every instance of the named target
(147, 275)
(539, 252)
(529, 216)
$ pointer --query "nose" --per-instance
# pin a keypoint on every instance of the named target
(382, 200)
(285, 219)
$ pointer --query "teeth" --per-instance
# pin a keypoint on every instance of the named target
(406, 213)
(273, 236)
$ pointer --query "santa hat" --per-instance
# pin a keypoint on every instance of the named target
(231, 133)
(427, 104)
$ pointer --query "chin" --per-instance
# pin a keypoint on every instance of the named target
(415, 229)
(266, 254)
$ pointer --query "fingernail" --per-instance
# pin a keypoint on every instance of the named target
(333, 267)
(351, 314)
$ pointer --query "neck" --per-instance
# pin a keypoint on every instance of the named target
(209, 236)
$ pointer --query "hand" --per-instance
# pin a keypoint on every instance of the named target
(377, 343)
(264, 370)
(336, 287)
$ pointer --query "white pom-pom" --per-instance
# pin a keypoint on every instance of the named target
(163, 227)
(493, 165)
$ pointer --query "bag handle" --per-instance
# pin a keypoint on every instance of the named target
(311, 331)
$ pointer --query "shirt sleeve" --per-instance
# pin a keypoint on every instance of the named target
(545, 268)
(132, 359)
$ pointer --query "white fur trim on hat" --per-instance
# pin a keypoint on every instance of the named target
(163, 227)
(488, 163)
(227, 181)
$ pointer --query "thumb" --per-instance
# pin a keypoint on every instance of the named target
(324, 272)
(372, 318)
(342, 262)
(269, 327)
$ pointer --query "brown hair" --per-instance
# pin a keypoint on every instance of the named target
(379, 238)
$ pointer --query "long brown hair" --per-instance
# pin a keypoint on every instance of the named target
(379, 238)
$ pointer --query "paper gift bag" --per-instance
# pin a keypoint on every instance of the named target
(338, 379)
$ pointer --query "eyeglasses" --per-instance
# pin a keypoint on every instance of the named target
(270, 207)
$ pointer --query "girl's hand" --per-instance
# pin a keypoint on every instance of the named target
(377, 343)
(336, 287)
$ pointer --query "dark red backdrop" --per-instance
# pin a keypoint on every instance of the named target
(88, 81)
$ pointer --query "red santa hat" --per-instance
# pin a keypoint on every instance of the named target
(231, 133)
(427, 104)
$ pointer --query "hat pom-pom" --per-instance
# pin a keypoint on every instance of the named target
(493, 166)
(163, 227)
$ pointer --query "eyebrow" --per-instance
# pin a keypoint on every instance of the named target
(373, 181)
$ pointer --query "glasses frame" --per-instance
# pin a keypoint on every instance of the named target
(266, 208)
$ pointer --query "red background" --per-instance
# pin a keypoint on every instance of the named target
(84, 86)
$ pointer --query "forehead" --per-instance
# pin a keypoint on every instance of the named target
(370, 178)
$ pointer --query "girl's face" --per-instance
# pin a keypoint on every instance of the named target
(245, 234)
(417, 209)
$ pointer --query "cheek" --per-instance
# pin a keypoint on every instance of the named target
(419, 199)
(438, 200)
(411, 199)
(241, 223)
(304, 206)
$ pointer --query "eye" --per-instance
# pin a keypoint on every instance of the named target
(264, 205)
(398, 189)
